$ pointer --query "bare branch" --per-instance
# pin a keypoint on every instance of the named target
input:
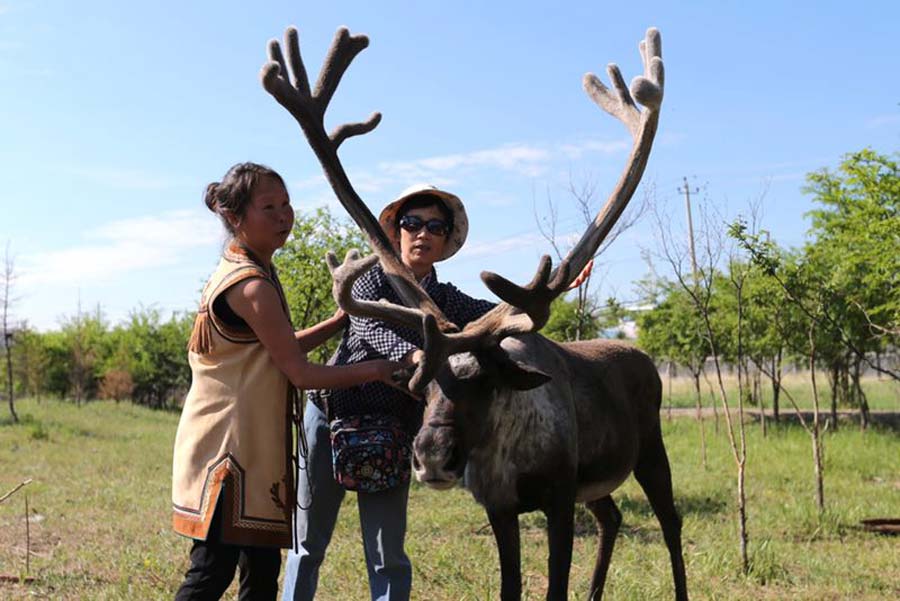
(16, 489)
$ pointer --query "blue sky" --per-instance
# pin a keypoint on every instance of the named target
(115, 115)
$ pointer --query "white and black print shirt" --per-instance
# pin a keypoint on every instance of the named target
(367, 339)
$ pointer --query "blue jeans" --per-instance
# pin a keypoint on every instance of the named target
(382, 517)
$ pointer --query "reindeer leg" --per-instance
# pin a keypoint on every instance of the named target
(655, 477)
(560, 531)
(505, 524)
(609, 518)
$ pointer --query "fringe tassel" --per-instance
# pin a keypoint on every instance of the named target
(201, 335)
(300, 459)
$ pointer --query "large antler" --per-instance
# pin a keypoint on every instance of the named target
(527, 308)
(308, 108)
(647, 89)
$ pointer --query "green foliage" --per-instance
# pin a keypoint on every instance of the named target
(154, 352)
(857, 235)
(55, 379)
(31, 360)
(84, 335)
(565, 318)
(303, 273)
(840, 297)
(673, 330)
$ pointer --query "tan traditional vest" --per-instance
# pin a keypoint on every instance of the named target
(233, 445)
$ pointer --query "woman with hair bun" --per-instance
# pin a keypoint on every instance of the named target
(233, 485)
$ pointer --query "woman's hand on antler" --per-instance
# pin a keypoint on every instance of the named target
(584, 275)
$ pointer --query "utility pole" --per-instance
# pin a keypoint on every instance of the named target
(686, 190)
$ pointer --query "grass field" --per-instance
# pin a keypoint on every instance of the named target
(882, 395)
(100, 519)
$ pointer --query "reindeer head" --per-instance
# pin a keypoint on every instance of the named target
(461, 372)
(458, 402)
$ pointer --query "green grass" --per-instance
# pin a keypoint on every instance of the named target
(883, 395)
(100, 524)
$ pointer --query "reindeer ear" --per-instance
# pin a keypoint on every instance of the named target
(516, 374)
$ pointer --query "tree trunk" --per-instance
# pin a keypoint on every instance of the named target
(10, 392)
(818, 463)
(844, 396)
(760, 403)
(833, 377)
(742, 517)
(669, 369)
(696, 375)
(860, 396)
(712, 401)
(776, 385)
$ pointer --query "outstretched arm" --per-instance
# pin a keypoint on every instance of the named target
(257, 302)
(316, 335)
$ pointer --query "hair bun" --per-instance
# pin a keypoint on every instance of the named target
(211, 197)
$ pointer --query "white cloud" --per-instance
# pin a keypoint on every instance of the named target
(123, 246)
(389, 177)
(525, 159)
(312, 182)
(576, 151)
(498, 247)
(129, 179)
(883, 120)
(528, 160)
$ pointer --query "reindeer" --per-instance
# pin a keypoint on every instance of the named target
(526, 422)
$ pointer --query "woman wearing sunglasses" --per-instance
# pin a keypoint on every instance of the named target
(428, 225)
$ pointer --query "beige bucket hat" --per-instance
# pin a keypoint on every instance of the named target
(388, 217)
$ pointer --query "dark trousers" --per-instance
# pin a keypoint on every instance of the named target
(213, 564)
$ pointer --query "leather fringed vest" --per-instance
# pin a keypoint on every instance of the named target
(233, 445)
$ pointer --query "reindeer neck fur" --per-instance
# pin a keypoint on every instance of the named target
(588, 421)
(529, 434)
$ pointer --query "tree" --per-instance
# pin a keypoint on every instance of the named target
(853, 266)
(59, 360)
(802, 286)
(302, 270)
(570, 320)
(857, 234)
(84, 335)
(6, 301)
(672, 330)
(582, 323)
(31, 361)
(153, 351)
(699, 285)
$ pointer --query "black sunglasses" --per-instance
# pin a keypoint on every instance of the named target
(437, 227)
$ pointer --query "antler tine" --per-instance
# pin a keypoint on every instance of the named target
(491, 328)
(437, 345)
(483, 333)
(534, 299)
(292, 43)
(437, 350)
(647, 89)
(343, 276)
(348, 130)
(344, 48)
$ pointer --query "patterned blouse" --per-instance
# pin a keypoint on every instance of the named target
(368, 339)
